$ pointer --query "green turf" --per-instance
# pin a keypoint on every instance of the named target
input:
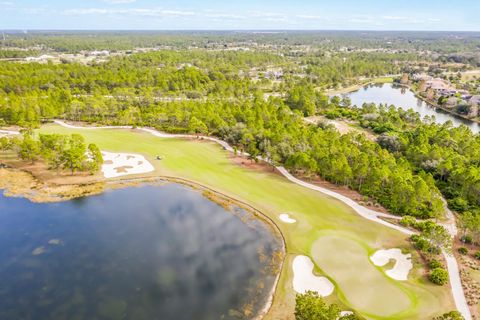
(206, 163)
(366, 290)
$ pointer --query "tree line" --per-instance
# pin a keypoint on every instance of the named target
(58, 151)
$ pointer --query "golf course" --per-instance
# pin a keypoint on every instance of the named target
(337, 240)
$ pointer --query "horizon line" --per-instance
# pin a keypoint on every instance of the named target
(239, 30)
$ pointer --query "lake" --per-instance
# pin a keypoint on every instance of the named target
(404, 98)
(148, 252)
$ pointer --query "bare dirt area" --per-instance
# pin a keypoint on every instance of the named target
(251, 164)
(41, 172)
(343, 126)
(35, 182)
(470, 275)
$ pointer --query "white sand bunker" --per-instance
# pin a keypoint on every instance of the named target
(402, 266)
(346, 313)
(304, 280)
(286, 218)
(121, 164)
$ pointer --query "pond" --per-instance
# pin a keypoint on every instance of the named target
(148, 252)
(404, 98)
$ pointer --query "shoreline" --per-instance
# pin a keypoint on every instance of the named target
(218, 196)
(356, 87)
(431, 103)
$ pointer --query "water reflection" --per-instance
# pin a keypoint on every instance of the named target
(139, 253)
(406, 99)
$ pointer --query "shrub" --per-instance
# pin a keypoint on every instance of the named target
(438, 276)
(408, 221)
(452, 315)
(477, 255)
(462, 250)
(420, 243)
(467, 239)
(434, 264)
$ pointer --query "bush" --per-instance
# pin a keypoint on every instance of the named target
(458, 204)
(408, 221)
(420, 243)
(434, 264)
(477, 255)
(452, 315)
(438, 276)
(467, 239)
(462, 250)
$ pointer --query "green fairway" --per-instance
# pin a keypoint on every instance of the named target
(344, 258)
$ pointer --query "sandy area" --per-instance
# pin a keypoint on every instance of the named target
(304, 279)
(345, 313)
(121, 164)
(285, 217)
(402, 266)
(8, 133)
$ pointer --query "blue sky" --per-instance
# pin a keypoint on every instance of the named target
(454, 15)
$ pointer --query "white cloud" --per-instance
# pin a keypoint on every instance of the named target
(266, 14)
(310, 17)
(361, 20)
(395, 18)
(225, 16)
(87, 11)
(155, 12)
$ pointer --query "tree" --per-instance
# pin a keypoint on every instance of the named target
(74, 156)
(95, 156)
(5, 144)
(52, 147)
(438, 237)
(29, 148)
(310, 306)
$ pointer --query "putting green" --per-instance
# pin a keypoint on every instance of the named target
(206, 163)
(368, 291)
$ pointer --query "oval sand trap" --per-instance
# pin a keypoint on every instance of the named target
(121, 164)
(286, 218)
(304, 280)
(402, 266)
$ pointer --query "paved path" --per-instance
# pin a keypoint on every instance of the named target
(452, 266)
(8, 133)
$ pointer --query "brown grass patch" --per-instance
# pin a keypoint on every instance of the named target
(123, 169)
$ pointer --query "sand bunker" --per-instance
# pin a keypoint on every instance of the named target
(286, 218)
(304, 280)
(121, 164)
(346, 313)
(402, 266)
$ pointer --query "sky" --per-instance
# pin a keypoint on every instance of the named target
(434, 15)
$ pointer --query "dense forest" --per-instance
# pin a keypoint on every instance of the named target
(224, 93)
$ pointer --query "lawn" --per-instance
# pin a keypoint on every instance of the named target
(317, 215)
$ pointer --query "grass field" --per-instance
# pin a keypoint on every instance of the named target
(344, 258)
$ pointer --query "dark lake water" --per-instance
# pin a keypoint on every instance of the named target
(405, 99)
(151, 252)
